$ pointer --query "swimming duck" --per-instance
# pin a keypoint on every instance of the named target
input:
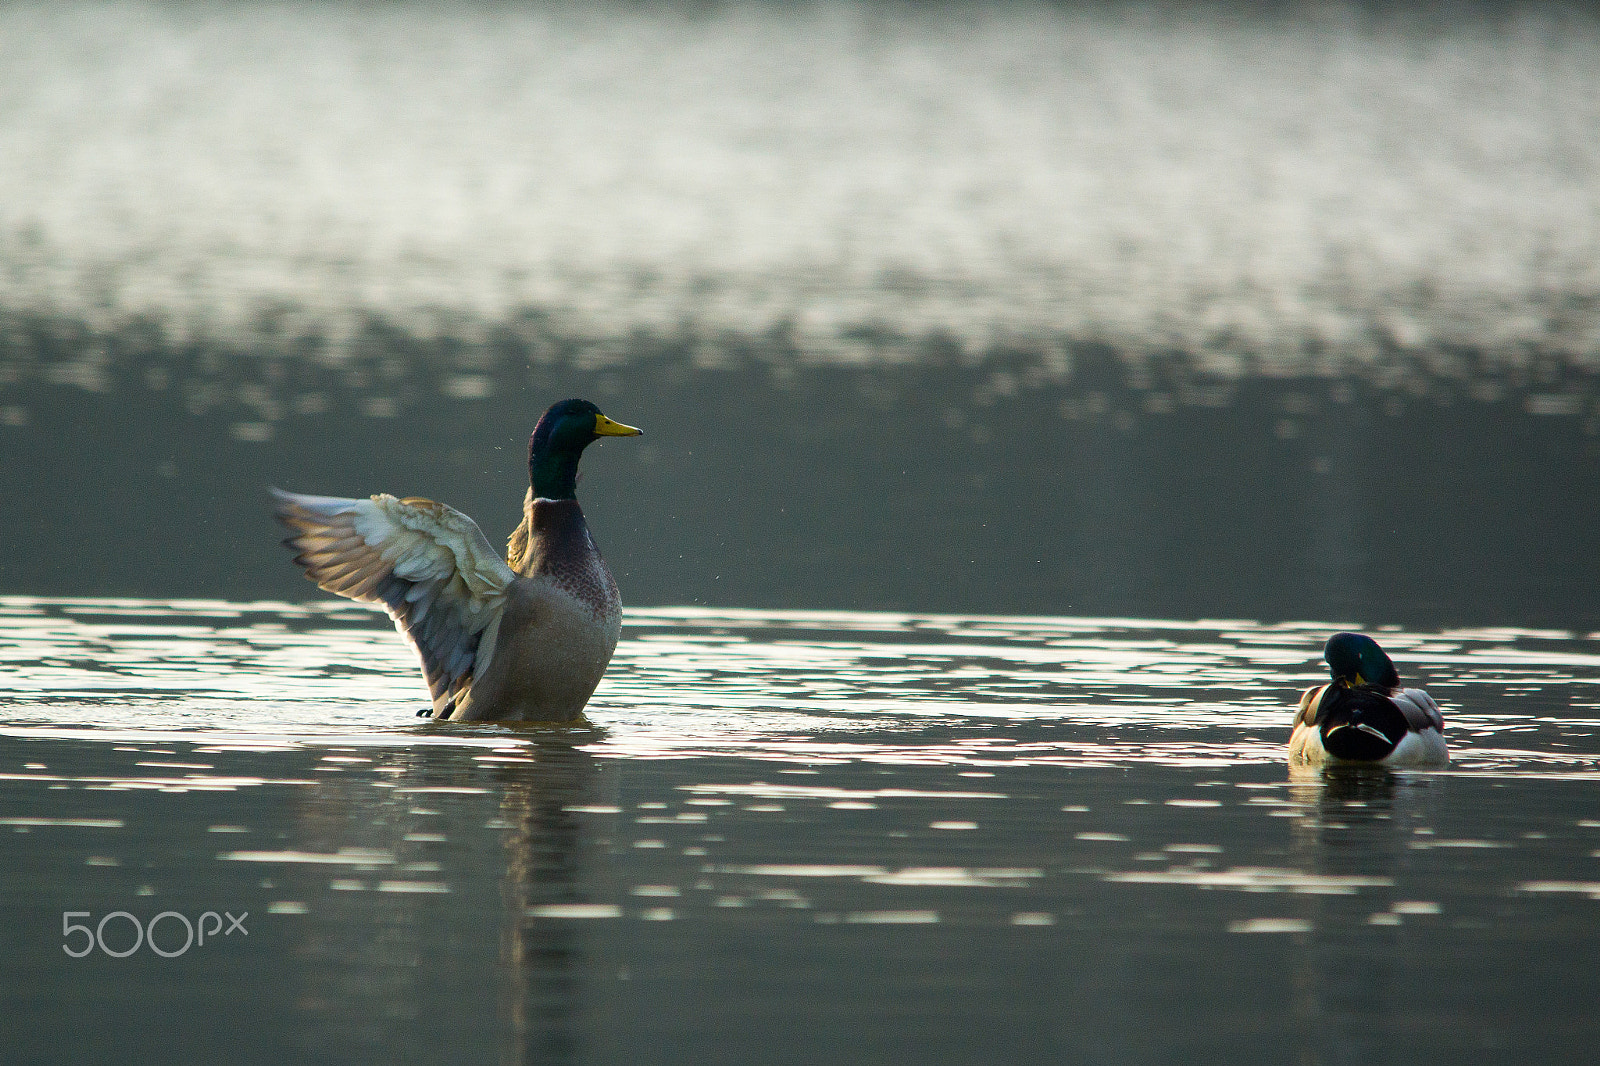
(1363, 715)
(527, 637)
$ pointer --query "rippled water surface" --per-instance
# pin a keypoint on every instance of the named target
(788, 837)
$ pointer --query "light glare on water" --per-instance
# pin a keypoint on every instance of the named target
(801, 686)
(1150, 178)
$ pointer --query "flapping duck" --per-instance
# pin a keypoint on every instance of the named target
(527, 637)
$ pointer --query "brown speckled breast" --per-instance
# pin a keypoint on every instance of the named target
(561, 550)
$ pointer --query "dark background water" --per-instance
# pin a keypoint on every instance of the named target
(1012, 484)
(1281, 311)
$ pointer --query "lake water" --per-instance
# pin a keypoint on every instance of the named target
(983, 350)
(1001, 308)
(788, 837)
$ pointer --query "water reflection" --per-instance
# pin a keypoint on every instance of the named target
(544, 844)
(1350, 986)
(443, 883)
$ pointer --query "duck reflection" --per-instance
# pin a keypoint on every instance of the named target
(436, 936)
(543, 958)
(1357, 821)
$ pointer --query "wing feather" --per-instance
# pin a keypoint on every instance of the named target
(1310, 705)
(428, 564)
(1419, 708)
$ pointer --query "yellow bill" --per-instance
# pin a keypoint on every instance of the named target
(605, 427)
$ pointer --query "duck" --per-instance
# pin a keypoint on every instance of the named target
(1363, 715)
(524, 638)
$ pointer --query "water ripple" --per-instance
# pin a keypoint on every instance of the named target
(810, 688)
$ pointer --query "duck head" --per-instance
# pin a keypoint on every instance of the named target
(1355, 659)
(558, 442)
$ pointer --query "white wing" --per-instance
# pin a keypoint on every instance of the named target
(1419, 708)
(429, 564)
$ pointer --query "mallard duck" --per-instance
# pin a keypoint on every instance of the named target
(1363, 715)
(527, 637)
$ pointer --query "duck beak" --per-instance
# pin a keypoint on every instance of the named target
(604, 427)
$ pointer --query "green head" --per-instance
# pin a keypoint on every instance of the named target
(558, 442)
(1356, 659)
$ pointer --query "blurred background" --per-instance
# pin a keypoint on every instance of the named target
(1259, 310)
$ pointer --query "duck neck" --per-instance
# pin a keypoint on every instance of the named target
(553, 473)
(552, 535)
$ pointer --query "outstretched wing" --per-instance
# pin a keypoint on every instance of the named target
(1419, 708)
(429, 564)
